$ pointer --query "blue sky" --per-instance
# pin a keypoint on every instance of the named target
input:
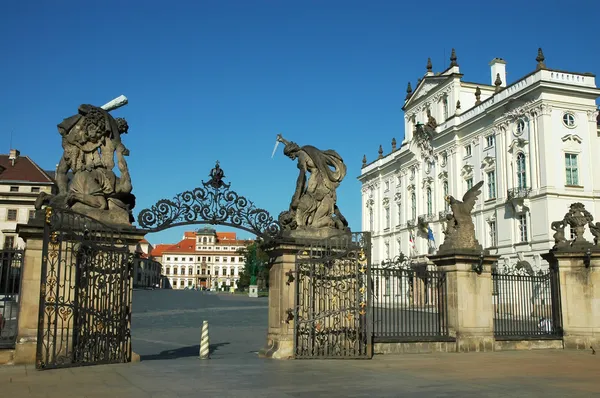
(217, 80)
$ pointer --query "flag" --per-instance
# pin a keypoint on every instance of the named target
(430, 238)
(413, 248)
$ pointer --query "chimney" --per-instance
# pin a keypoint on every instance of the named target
(13, 155)
(498, 68)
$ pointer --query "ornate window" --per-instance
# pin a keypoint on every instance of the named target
(521, 171)
(371, 226)
(174, 270)
(190, 271)
(168, 271)
(445, 188)
(469, 182)
(493, 234)
(491, 184)
(468, 150)
(387, 186)
(399, 210)
(490, 140)
(387, 218)
(522, 220)
(571, 169)
(429, 202)
(445, 107)
(520, 129)
(413, 206)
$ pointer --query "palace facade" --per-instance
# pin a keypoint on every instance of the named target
(204, 258)
(535, 143)
(21, 181)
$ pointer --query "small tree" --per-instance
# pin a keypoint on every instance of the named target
(255, 269)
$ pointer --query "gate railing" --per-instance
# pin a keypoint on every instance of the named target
(526, 304)
(11, 261)
(332, 311)
(409, 304)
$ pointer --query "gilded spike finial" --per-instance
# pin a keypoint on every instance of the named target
(48, 214)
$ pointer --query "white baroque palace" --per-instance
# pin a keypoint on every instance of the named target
(535, 143)
(204, 258)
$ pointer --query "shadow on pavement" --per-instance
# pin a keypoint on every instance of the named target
(191, 351)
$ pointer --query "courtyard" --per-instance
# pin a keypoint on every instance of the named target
(166, 334)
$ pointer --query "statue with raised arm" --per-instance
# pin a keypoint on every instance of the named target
(313, 205)
(91, 140)
(460, 230)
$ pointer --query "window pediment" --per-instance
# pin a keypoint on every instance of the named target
(518, 143)
(427, 182)
(488, 162)
(466, 171)
(572, 138)
(443, 175)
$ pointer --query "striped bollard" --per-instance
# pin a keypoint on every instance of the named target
(204, 342)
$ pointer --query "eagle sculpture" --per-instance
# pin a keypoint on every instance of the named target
(460, 230)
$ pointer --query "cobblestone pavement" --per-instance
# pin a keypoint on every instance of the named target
(166, 328)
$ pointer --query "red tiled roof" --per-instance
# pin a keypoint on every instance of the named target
(24, 169)
(189, 235)
(184, 246)
(158, 250)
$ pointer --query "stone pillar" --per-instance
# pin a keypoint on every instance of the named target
(469, 299)
(280, 334)
(579, 296)
(29, 299)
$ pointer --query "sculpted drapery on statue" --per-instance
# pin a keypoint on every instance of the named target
(313, 204)
(460, 230)
(91, 139)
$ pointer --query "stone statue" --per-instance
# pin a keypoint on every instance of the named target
(460, 230)
(559, 235)
(313, 204)
(91, 139)
(595, 230)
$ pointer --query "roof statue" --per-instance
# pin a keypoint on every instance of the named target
(460, 230)
(313, 207)
(91, 140)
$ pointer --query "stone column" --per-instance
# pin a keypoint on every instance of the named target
(280, 335)
(579, 296)
(469, 299)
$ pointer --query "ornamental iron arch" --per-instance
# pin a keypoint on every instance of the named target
(212, 203)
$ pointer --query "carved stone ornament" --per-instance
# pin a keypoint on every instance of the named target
(576, 218)
(466, 171)
(398, 197)
(443, 175)
(460, 230)
(313, 207)
(386, 202)
(91, 139)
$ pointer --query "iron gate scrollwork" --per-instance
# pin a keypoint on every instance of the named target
(85, 293)
(332, 315)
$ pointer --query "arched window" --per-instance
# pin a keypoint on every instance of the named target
(168, 271)
(413, 206)
(429, 202)
(204, 240)
(445, 188)
(521, 171)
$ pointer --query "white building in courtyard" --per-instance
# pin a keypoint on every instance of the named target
(204, 258)
(535, 143)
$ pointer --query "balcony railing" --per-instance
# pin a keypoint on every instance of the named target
(423, 218)
(518, 193)
(442, 214)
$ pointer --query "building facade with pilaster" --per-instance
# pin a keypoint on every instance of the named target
(535, 143)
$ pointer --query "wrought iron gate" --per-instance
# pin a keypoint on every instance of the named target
(85, 293)
(332, 311)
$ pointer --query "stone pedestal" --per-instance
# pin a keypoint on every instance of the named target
(280, 335)
(253, 291)
(579, 296)
(469, 299)
(33, 235)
